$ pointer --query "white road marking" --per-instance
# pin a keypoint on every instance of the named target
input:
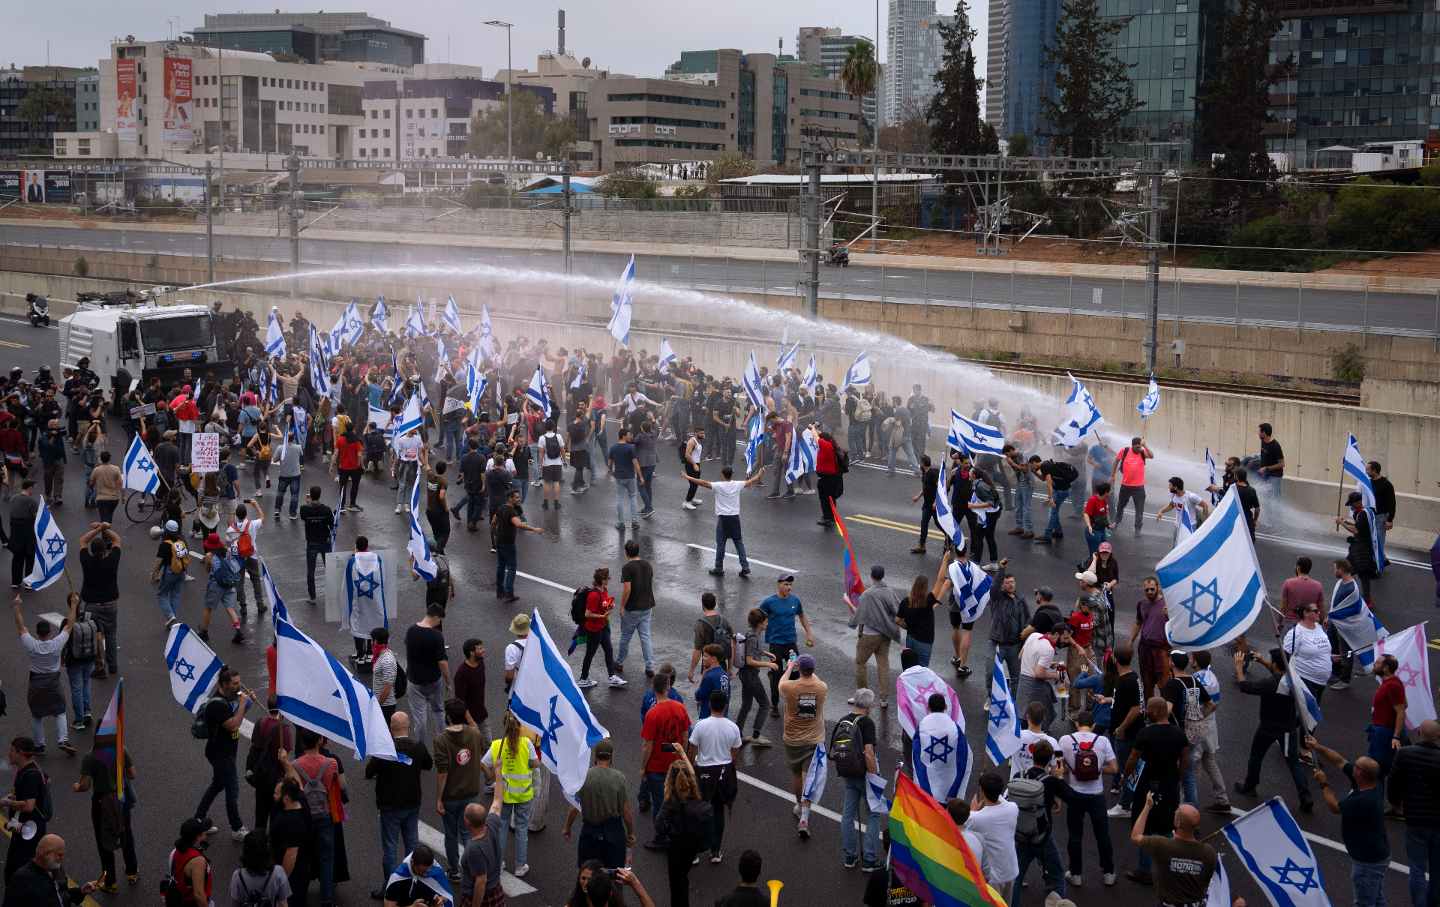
(753, 560)
(543, 581)
(431, 836)
(785, 795)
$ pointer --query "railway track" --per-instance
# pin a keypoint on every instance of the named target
(1280, 393)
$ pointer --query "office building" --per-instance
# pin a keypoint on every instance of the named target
(314, 37)
(827, 48)
(1363, 72)
(87, 102)
(23, 128)
(1027, 79)
(914, 56)
(995, 43)
(410, 118)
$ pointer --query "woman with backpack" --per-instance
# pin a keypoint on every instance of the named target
(190, 882)
(258, 882)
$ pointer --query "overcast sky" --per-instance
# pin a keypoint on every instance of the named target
(635, 36)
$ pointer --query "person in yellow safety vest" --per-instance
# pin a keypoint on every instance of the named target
(514, 757)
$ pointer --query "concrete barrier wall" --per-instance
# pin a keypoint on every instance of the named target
(1421, 397)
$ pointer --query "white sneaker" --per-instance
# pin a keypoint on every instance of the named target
(1118, 812)
(1108, 878)
(522, 870)
(688, 505)
(1076, 880)
(586, 683)
(399, 508)
(616, 680)
(699, 500)
(239, 834)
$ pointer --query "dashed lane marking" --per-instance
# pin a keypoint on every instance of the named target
(731, 554)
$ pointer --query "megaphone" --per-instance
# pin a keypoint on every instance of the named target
(775, 886)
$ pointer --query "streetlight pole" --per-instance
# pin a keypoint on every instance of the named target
(509, 93)
(875, 143)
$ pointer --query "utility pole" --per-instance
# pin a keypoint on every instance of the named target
(209, 229)
(223, 124)
(875, 142)
(1154, 171)
(292, 163)
(811, 213)
(509, 93)
(565, 212)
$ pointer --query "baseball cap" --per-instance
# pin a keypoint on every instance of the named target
(1087, 577)
(172, 526)
(1106, 547)
(805, 662)
(604, 749)
(785, 578)
(1045, 592)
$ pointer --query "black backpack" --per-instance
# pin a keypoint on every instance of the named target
(200, 727)
(552, 446)
(722, 635)
(250, 898)
(402, 680)
(847, 748)
(1063, 471)
(577, 604)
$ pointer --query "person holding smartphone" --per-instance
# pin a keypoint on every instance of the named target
(1161, 754)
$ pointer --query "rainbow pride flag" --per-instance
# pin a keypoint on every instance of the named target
(110, 738)
(850, 567)
(930, 856)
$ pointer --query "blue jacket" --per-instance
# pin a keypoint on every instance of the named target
(717, 678)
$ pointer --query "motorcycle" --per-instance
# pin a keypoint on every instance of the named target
(838, 255)
(39, 310)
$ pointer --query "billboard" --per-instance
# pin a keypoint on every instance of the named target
(127, 101)
(179, 112)
(36, 187)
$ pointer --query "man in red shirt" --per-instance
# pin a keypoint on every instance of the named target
(1387, 714)
(1296, 593)
(830, 486)
(666, 729)
(780, 432)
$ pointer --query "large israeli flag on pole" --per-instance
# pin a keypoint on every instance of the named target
(380, 316)
(667, 357)
(811, 376)
(139, 469)
(451, 315)
(538, 393)
(354, 324)
(974, 437)
(422, 562)
(50, 550)
(1081, 415)
(1358, 626)
(475, 385)
(1151, 401)
(338, 333)
(415, 324)
(487, 332)
(621, 305)
(411, 418)
(278, 609)
(547, 701)
(442, 359)
(754, 436)
(274, 335)
(1212, 581)
(787, 357)
(751, 381)
(1275, 851)
(803, 450)
(319, 371)
(944, 517)
(1354, 467)
(1002, 724)
(858, 374)
(194, 668)
(314, 690)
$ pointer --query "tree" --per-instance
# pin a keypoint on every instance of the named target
(1019, 145)
(1093, 88)
(628, 182)
(1235, 100)
(954, 112)
(730, 165)
(911, 135)
(43, 106)
(860, 72)
(534, 131)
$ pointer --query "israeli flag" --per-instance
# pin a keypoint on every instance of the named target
(422, 562)
(487, 332)
(875, 786)
(982, 512)
(971, 587)
(940, 756)
(667, 357)
(314, 690)
(381, 418)
(971, 437)
(354, 324)
(50, 550)
(475, 385)
(787, 357)
(274, 335)
(319, 371)
(1356, 623)
(380, 316)
(1081, 415)
(1354, 466)
(410, 419)
(278, 609)
(1212, 581)
(1214, 476)
(269, 393)
(858, 374)
(1218, 894)
(754, 437)
(944, 518)
(451, 316)
(442, 360)
(415, 323)
(139, 469)
(435, 880)
(621, 305)
(364, 587)
(811, 376)
(752, 382)
(1151, 401)
(301, 425)
(814, 786)
(194, 668)
(337, 336)
(579, 378)
(1275, 851)
(803, 450)
(1306, 705)
(1002, 718)
(538, 393)
(546, 700)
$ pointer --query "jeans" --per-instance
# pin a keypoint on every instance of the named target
(1379, 529)
(1422, 846)
(1368, 880)
(1080, 807)
(857, 438)
(224, 778)
(927, 516)
(427, 709)
(107, 510)
(1010, 654)
(1128, 493)
(505, 563)
(1377, 738)
(647, 491)
(652, 788)
(1093, 540)
(632, 622)
(728, 528)
(455, 833)
(399, 831)
(312, 553)
(474, 504)
(350, 478)
(1023, 503)
(79, 672)
(453, 437)
(752, 692)
(600, 639)
(62, 729)
(292, 483)
(921, 649)
(857, 806)
(626, 492)
(108, 622)
(519, 813)
(1048, 854)
(323, 859)
(405, 481)
(167, 594)
(252, 569)
(909, 450)
(1053, 527)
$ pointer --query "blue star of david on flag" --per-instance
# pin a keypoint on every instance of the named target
(365, 585)
(939, 749)
(999, 710)
(144, 465)
(1192, 604)
(185, 670)
(1305, 876)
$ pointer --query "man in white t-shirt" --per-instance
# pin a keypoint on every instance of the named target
(249, 517)
(44, 694)
(1088, 757)
(407, 461)
(714, 746)
(727, 515)
(1033, 732)
(551, 467)
(1039, 668)
(992, 819)
(1189, 509)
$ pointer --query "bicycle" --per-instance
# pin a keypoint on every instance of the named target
(148, 507)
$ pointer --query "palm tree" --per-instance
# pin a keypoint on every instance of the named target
(859, 75)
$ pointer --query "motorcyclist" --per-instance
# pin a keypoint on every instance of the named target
(839, 252)
(43, 379)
